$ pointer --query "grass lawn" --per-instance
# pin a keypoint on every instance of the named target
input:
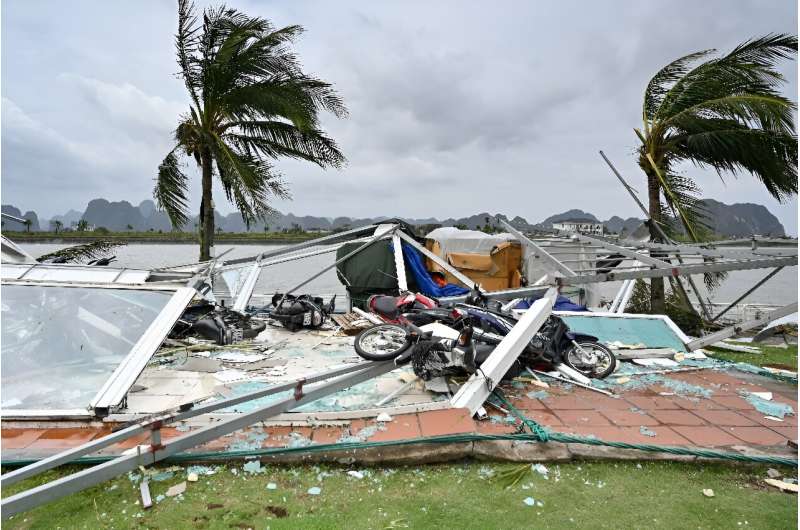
(771, 356)
(461, 495)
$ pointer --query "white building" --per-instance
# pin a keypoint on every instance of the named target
(582, 226)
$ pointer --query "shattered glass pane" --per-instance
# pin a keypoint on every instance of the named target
(60, 344)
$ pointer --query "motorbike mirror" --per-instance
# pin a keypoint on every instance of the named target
(465, 337)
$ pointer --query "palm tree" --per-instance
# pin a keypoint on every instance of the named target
(129, 227)
(27, 223)
(57, 225)
(723, 113)
(250, 103)
(82, 225)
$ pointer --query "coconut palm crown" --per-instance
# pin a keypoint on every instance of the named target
(724, 113)
(251, 103)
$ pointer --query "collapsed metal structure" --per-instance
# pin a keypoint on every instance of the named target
(234, 281)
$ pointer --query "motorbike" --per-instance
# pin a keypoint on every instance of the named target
(552, 345)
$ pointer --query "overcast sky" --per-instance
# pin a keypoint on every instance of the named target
(455, 107)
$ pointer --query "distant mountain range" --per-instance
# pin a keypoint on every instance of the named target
(734, 220)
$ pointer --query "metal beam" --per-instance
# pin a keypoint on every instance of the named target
(505, 294)
(166, 418)
(731, 331)
(399, 263)
(644, 258)
(753, 288)
(681, 270)
(244, 292)
(390, 230)
(476, 390)
(439, 261)
(662, 234)
(538, 252)
(300, 246)
(89, 477)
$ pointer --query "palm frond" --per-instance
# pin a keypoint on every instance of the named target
(659, 85)
(81, 253)
(171, 189)
(186, 43)
(748, 69)
(248, 182)
(275, 139)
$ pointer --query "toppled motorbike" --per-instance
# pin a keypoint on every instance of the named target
(304, 311)
(217, 323)
(479, 329)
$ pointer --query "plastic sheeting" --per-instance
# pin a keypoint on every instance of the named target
(423, 278)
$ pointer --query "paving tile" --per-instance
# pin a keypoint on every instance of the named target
(760, 418)
(526, 403)
(706, 436)
(698, 403)
(603, 403)
(544, 417)
(626, 418)
(790, 433)
(757, 435)
(581, 417)
(569, 403)
(64, 438)
(652, 403)
(446, 421)
(720, 378)
(327, 435)
(490, 427)
(732, 402)
(664, 435)
(19, 438)
(726, 418)
(677, 417)
(402, 427)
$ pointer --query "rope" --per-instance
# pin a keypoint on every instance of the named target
(446, 439)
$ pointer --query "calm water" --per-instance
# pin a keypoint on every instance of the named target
(779, 290)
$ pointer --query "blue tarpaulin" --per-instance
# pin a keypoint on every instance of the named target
(562, 304)
(425, 284)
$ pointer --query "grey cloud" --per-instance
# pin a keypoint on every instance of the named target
(456, 107)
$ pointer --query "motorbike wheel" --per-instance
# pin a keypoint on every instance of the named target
(382, 343)
(598, 362)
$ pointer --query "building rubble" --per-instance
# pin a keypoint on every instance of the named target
(184, 358)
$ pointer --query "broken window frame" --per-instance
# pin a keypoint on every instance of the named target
(113, 391)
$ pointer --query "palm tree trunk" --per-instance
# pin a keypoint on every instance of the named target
(206, 209)
(657, 299)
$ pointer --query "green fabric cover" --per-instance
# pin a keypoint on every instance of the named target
(369, 272)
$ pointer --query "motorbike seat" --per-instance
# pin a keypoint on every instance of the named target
(386, 305)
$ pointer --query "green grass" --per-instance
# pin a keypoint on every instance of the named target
(771, 355)
(577, 495)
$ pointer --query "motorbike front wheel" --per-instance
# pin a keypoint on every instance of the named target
(591, 359)
(382, 343)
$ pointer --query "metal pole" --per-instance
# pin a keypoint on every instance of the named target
(300, 246)
(678, 270)
(730, 331)
(89, 477)
(661, 232)
(70, 455)
(753, 288)
(439, 261)
(538, 251)
(372, 240)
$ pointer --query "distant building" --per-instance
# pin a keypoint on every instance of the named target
(582, 226)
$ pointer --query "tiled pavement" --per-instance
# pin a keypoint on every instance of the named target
(721, 420)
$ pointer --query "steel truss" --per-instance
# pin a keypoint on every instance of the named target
(338, 379)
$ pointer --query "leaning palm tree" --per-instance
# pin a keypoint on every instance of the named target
(250, 103)
(723, 113)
